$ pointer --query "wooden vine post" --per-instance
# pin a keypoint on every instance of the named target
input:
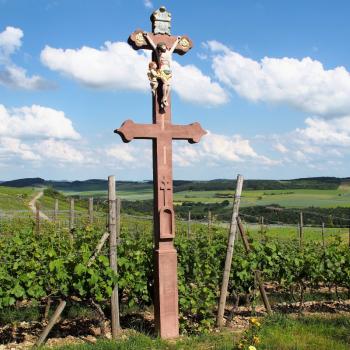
(91, 210)
(262, 225)
(323, 241)
(256, 272)
(189, 224)
(56, 315)
(229, 252)
(112, 225)
(37, 217)
(301, 229)
(71, 214)
(209, 225)
(118, 207)
(55, 211)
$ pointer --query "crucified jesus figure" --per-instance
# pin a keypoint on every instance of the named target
(164, 59)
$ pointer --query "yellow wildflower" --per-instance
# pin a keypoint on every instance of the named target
(251, 347)
(256, 339)
(255, 321)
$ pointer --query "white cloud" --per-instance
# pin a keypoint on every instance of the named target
(148, 4)
(60, 151)
(12, 75)
(122, 153)
(10, 146)
(36, 121)
(280, 148)
(117, 66)
(217, 149)
(56, 151)
(300, 156)
(313, 145)
(186, 155)
(304, 84)
(137, 155)
(324, 132)
(193, 86)
(38, 134)
(312, 149)
(16, 77)
(10, 41)
(227, 148)
(216, 46)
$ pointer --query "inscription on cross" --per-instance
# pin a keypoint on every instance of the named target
(165, 186)
(162, 132)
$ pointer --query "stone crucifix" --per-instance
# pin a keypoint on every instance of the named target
(162, 132)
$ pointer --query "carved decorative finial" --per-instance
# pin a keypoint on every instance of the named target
(161, 19)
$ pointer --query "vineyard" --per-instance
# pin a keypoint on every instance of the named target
(41, 268)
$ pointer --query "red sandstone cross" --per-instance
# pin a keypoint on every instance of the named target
(162, 132)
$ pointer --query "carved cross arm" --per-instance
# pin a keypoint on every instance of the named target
(129, 131)
(138, 41)
(193, 132)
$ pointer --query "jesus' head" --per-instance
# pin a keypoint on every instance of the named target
(162, 47)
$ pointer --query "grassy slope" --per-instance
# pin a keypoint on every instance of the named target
(12, 198)
(15, 198)
(47, 203)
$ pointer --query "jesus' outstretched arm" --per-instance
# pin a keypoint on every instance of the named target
(149, 39)
(175, 44)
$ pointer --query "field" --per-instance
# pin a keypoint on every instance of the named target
(300, 193)
(294, 198)
(132, 195)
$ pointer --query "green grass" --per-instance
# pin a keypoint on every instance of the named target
(288, 233)
(132, 195)
(138, 341)
(305, 333)
(277, 333)
(297, 198)
(47, 203)
(15, 198)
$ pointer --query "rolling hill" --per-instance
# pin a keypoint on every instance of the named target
(323, 183)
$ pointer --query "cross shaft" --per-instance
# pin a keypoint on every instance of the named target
(162, 132)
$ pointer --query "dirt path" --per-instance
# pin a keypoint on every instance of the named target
(33, 208)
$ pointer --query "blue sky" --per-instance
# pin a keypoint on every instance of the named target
(269, 80)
